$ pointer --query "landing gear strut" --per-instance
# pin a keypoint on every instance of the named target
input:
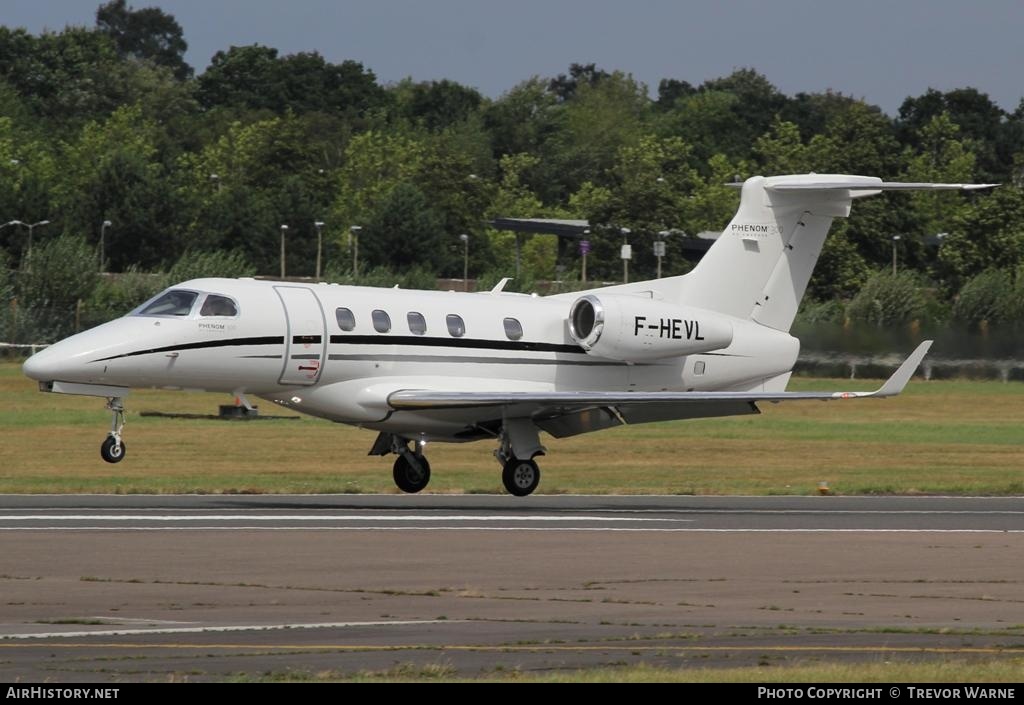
(113, 449)
(411, 471)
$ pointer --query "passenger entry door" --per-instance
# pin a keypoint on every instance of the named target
(305, 336)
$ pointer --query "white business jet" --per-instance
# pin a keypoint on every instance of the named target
(421, 366)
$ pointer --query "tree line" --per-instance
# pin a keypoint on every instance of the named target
(109, 124)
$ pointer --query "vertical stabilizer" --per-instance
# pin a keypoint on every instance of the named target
(760, 265)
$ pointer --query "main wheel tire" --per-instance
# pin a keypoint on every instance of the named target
(408, 478)
(113, 451)
(520, 477)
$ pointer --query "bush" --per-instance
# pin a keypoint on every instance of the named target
(989, 296)
(414, 278)
(218, 263)
(812, 312)
(53, 279)
(888, 299)
(118, 294)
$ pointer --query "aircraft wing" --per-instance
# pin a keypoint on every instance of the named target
(551, 404)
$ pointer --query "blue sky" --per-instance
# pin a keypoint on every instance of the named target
(879, 51)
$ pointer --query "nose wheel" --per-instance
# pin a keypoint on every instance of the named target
(113, 448)
(411, 472)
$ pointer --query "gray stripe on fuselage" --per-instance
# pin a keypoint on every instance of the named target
(480, 360)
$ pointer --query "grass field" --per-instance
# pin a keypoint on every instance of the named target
(997, 671)
(949, 437)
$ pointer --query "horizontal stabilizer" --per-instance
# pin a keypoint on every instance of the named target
(863, 184)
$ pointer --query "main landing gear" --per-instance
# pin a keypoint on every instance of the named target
(520, 477)
(519, 444)
(113, 448)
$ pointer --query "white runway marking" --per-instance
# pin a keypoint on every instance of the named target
(330, 517)
(564, 529)
(232, 628)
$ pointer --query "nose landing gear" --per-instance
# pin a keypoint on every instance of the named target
(113, 448)
(411, 470)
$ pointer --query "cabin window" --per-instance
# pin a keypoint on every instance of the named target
(173, 303)
(456, 326)
(417, 323)
(346, 319)
(381, 321)
(513, 329)
(698, 367)
(216, 305)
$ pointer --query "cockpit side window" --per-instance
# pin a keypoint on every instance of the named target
(216, 305)
(173, 303)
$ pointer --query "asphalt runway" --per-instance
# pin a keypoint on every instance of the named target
(105, 588)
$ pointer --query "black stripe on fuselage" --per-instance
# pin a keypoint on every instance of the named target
(225, 343)
(474, 343)
(407, 340)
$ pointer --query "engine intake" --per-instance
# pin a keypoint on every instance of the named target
(635, 329)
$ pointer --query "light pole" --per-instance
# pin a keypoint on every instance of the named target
(319, 224)
(465, 261)
(626, 254)
(31, 227)
(584, 249)
(895, 239)
(103, 240)
(355, 249)
(659, 248)
(284, 229)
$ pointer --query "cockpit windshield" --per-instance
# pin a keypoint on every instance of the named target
(173, 303)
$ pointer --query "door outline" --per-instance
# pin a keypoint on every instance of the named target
(284, 379)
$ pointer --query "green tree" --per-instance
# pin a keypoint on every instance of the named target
(437, 105)
(148, 34)
(256, 78)
(941, 157)
(113, 171)
(403, 232)
(599, 119)
(984, 127)
(988, 234)
(253, 179)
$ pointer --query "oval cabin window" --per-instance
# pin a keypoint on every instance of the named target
(381, 321)
(513, 329)
(417, 323)
(346, 319)
(456, 326)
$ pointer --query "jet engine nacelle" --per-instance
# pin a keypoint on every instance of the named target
(635, 329)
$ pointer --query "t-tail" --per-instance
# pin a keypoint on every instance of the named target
(759, 267)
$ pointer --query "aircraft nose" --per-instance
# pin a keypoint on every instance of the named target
(41, 366)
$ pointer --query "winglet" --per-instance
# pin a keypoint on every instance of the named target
(500, 286)
(895, 384)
